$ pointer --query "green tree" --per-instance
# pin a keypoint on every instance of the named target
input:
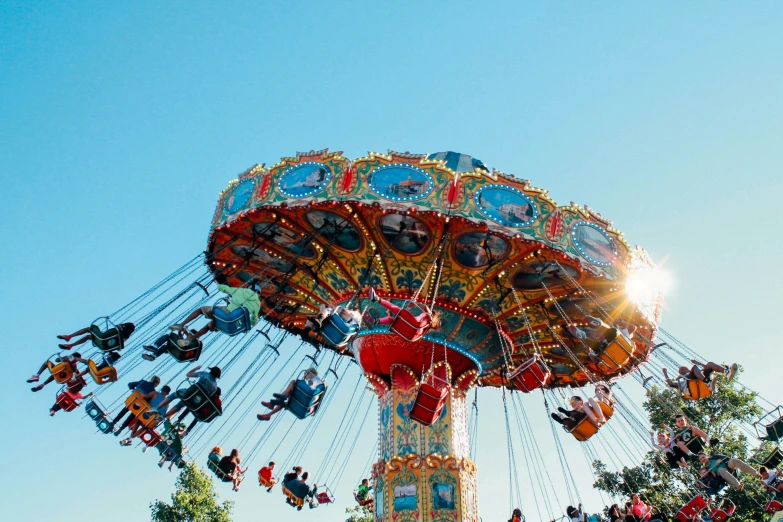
(194, 500)
(718, 416)
(359, 514)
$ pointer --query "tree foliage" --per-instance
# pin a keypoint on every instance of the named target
(722, 416)
(194, 500)
(359, 514)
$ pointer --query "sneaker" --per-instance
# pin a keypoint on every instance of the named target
(64, 337)
(65, 346)
(266, 404)
(51, 413)
(372, 295)
(34, 378)
(148, 357)
(125, 442)
(37, 388)
(265, 417)
(268, 490)
(176, 327)
(731, 371)
(150, 348)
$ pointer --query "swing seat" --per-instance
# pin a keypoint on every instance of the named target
(531, 375)
(696, 389)
(324, 497)
(689, 511)
(366, 502)
(62, 371)
(430, 400)
(142, 410)
(407, 326)
(773, 506)
(336, 331)
(772, 431)
(304, 400)
(151, 438)
(231, 323)
(293, 499)
(108, 341)
(94, 410)
(105, 375)
(773, 459)
(720, 515)
(695, 445)
(584, 430)
(607, 410)
(68, 400)
(98, 414)
(199, 404)
(618, 353)
(188, 353)
(265, 483)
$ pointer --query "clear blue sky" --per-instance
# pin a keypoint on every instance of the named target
(119, 126)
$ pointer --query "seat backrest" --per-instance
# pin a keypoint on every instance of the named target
(775, 430)
(105, 375)
(191, 352)
(584, 430)
(231, 323)
(62, 371)
(200, 404)
(697, 389)
(107, 341)
(304, 400)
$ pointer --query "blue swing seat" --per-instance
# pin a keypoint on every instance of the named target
(231, 323)
(304, 400)
(336, 331)
(97, 413)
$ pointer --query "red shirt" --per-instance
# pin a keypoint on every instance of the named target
(265, 472)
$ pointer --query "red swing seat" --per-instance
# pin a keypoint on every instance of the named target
(689, 511)
(324, 497)
(430, 399)
(406, 324)
(531, 374)
(718, 514)
(68, 400)
(773, 506)
(366, 502)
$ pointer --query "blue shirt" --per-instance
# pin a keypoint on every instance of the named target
(206, 382)
(142, 386)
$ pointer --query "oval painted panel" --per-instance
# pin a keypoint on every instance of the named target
(593, 243)
(335, 229)
(405, 234)
(534, 276)
(505, 205)
(304, 180)
(477, 249)
(285, 238)
(400, 182)
(240, 195)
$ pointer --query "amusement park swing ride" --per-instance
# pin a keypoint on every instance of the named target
(434, 276)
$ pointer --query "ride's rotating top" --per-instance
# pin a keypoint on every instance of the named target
(511, 274)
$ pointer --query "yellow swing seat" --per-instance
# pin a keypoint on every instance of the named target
(618, 353)
(62, 371)
(584, 430)
(696, 389)
(105, 375)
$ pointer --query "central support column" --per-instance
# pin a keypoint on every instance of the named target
(424, 473)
